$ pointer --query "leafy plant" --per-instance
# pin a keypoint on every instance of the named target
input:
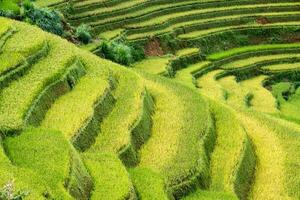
(70, 7)
(83, 33)
(48, 20)
(7, 13)
(169, 42)
(120, 52)
(105, 50)
(248, 98)
(8, 192)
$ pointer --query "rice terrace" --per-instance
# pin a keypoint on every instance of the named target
(150, 99)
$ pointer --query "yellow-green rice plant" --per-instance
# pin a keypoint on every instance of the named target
(210, 195)
(15, 65)
(5, 25)
(174, 136)
(17, 99)
(233, 159)
(235, 93)
(153, 65)
(287, 134)
(201, 33)
(282, 67)
(149, 185)
(109, 35)
(253, 60)
(111, 180)
(141, 12)
(187, 51)
(251, 48)
(209, 85)
(262, 99)
(123, 5)
(77, 110)
(289, 108)
(10, 61)
(22, 41)
(17, 56)
(43, 3)
(185, 76)
(174, 26)
(57, 175)
(116, 136)
(270, 172)
(37, 111)
(165, 18)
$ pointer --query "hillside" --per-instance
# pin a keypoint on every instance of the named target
(214, 116)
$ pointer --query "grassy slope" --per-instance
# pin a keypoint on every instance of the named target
(51, 179)
(149, 185)
(262, 99)
(174, 134)
(276, 160)
(229, 154)
(153, 65)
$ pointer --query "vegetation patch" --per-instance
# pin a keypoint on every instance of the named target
(111, 179)
(120, 52)
(148, 184)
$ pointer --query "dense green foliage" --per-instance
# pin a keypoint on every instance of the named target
(120, 52)
(44, 18)
(83, 33)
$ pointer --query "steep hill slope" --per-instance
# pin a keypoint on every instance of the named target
(96, 117)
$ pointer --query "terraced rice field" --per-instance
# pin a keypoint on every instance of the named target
(217, 117)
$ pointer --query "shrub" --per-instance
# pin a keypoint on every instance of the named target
(46, 19)
(169, 42)
(243, 40)
(83, 33)
(27, 5)
(120, 52)
(7, 13)
(105, 50)
(138, 53)
(70, 7)
(248, 98)
(8, 193)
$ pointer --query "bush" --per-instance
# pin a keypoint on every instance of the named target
(138, 53)
(120, 52)
(46, 19)
(105, 50)
(8, 193)
(70, 7)
(83, 33)
(9, 14)
(169, 42)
